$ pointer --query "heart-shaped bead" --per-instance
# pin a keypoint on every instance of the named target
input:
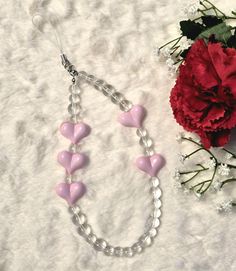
(71, 192)
(134, 117)
(150, 164)
(74, 131)
(72, 161)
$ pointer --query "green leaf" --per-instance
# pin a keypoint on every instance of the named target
(210, 20)
(221, 31)
(232, 42)
(185, 52)
(191, 29)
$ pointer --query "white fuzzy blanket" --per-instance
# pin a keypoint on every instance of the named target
(114, 40)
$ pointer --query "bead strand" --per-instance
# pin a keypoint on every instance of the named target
(79, 218)
(107, 90)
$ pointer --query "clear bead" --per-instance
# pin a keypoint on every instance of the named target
(149, 151)
(141, 132)
(100, 244)
(145, 142)
(99, 84)
(74, 209)
(74, 89)
(82, 74)
(155, 222)
(91, 78)
(74, 98)
(74, 109)
(108, 90)
(157, 203)
(128, 252)
(152, 232)
(125, 105)
(119, 251)
(73, 148)
(156, 213)
(79, 219)
(156, 192)
(137, 247)
(91, 239)
(155, 181)
(109, 251)
(117, 97)
(85, 229)
(146, 240)
(76, 118)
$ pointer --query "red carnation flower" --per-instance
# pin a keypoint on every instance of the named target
(204, 97)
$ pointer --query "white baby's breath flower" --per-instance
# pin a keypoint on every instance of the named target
(186, 191)
(217, 185)
(211, 163)
(177, 174)
(191, 9)
(185, 43)
(165, 52)
(198, 195)
(228, 156)
(223, 170)
(179, 137)
(177, 185)
(156, 51)
(182, 158)
(170, 62)
(225, 206)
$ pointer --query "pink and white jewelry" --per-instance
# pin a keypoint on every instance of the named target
(75, 131)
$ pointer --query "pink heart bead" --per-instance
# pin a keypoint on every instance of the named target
(150, 164)
(71, 192)
(72, 161)
(134, 117)
(74, 131)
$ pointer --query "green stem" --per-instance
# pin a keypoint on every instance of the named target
(215, 169)
(190, 179)
(175, 49)
(229, 152)
(193, 171)
(227, 181)
(207, 1)
(198, 184)
(187, 156)
(179, 38)
(211, 181)
(200, 145)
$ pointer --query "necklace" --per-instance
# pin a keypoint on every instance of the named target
(72, 160)
(75, 130)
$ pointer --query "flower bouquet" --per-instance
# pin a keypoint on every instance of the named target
(203, 99)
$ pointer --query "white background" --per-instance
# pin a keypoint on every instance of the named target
(113, 40)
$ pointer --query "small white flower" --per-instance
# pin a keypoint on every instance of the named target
(225, 206)
(223, 170)
(182, 158)
(211, 163)
(156, 51)
(217, 185)
(185, 43)
(165, 52)
(186, 191)
(179, 137)
(177, 174)
(228, 156)
(191, 9)
(198, 195)
(170, 62)
(177, 185)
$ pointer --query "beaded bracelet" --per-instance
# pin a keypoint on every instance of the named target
(75, 130)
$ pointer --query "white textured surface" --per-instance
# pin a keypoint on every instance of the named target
(114, 40)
